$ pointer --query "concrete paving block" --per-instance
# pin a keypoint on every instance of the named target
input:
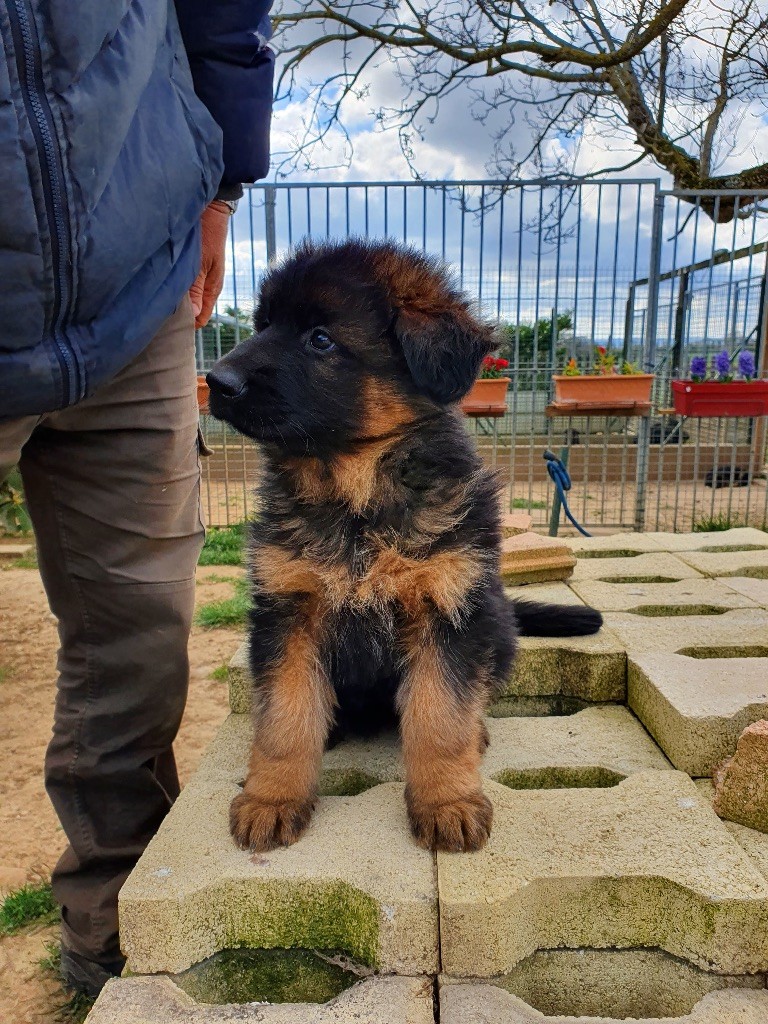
(557, 592)
(754, 843)
(742, 632)
(157, 1000)
(614, 545)
(239, 681)
(487, 1004)
(654, 567)
(729, 563)
(592, 668)
(694, 708)
(612, 983)
(355, 882)
(662, 599)
(646, 863)
(596, 747)
(531, 558)
(722, 540)
(755, 589)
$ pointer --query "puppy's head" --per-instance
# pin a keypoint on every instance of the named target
(353, 341)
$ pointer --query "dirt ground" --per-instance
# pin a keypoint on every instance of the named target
(31, 836)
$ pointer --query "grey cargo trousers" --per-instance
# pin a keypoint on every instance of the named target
(113, 489)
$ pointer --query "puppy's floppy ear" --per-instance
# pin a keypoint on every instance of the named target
(443, 350)
(441, 338)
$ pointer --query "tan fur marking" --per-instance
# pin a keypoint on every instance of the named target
(442, 750)
(280, 573)
(443, 579)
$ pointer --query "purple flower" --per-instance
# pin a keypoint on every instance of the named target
(723, 365)
(747, 365)
(698, 368)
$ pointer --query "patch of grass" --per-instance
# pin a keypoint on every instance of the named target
(5, 674)
(224, 545)
(215, 578)
(525, 504)
(717, 523)
(230, 612)
(27, 905)
(76, 1005)
(25, 562)
(220, 673)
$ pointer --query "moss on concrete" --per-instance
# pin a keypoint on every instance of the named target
(266, 975)
(559, 778)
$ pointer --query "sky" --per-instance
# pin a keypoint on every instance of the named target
(524, 267)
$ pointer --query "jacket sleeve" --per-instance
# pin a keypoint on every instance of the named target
(232, 69)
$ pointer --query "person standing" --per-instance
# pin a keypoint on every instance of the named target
(126, 132)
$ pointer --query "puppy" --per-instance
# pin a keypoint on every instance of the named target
(376, 592)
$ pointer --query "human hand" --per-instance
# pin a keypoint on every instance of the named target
(208, 283)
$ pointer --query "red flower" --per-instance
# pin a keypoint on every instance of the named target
(489, 361)
(502, 364)
(602, 349)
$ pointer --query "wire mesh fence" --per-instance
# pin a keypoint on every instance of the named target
(654, 277)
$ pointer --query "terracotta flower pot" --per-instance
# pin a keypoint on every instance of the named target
(487, 398)
(618, 389)
(202, 394)
(718, 398)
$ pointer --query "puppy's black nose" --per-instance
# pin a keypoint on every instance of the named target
(226, 380)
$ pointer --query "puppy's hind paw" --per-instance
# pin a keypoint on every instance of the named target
(460, 826)
(259, 826)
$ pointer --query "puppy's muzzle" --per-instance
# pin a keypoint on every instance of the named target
(227, 381)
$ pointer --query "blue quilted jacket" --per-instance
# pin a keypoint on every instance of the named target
(110, 148)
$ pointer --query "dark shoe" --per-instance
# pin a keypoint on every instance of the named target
(88, 976)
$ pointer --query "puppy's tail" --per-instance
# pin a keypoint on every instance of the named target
(535, 619)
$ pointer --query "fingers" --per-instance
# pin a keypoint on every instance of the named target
(208, 283)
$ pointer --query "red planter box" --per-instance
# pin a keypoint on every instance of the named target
(713, 398)
(488, 397)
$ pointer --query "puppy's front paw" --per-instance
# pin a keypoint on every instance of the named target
(462, 825)
(259, 826)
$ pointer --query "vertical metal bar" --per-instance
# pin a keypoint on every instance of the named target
(649, 358)
(482, 243)
(270, 229)
(554, 519)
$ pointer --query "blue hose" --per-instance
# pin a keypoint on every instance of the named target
(562, 481)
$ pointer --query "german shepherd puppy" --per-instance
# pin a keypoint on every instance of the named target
(375, 560)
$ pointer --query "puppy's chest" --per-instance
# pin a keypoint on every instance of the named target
(372, 576)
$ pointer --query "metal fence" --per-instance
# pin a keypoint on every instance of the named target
(654, 276)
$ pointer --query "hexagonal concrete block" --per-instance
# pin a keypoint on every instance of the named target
(694, 708)
(646, 863)
(487, 1004)
(355, 882)
(595, 747)
(720, 540)
(592, 668)
(728, 563)
(158, 1001)
(614, 545)
(654, 567)
(755, 589)
(742, 632)
(691, 597)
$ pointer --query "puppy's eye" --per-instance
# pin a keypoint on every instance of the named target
(321, 341)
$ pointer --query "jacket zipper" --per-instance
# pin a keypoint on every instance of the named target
(29, 63)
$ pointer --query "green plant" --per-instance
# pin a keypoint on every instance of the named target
(717, 523)
(232, 611)
(76, 1005)
(224, 545)
(220, 673)
(14, 518)
(524, 503)
(533, 342)
(30, 903)
(604, 366)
